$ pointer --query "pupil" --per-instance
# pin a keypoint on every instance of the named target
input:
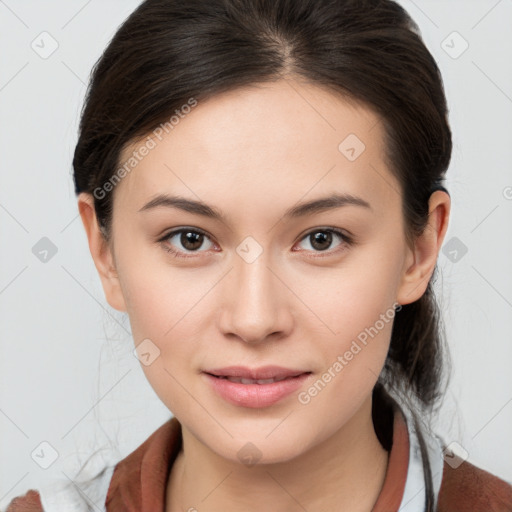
(322, 237)
(187, 239)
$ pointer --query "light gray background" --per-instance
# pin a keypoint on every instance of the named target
(67, 372)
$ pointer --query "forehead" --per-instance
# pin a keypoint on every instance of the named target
(262, 143)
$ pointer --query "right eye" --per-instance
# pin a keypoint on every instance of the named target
(190, 239)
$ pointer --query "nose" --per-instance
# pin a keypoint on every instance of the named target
(256, 307)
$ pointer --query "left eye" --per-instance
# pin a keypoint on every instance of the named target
(191, 240)
(321, 239)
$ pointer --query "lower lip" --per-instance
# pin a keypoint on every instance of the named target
(256, 395)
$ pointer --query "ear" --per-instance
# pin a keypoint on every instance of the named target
(101, 252)
(421, 261)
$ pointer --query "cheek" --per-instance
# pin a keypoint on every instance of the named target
(353, 361)
(358, 349)
(354, 310)
(343, 300)
(171, 329)
(159, 297)
(166, 308)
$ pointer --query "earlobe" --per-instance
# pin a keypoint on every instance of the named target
(101, 252)
(421, 261)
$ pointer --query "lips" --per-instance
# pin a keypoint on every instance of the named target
(252, 381)
(256, 393)
(261, 375)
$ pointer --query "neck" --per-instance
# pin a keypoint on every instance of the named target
(343, 472)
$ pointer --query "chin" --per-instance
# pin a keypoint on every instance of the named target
(255, 447)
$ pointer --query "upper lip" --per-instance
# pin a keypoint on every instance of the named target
(263, 372)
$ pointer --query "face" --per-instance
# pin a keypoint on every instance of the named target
(312, 291)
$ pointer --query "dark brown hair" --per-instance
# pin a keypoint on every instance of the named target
(368, 51)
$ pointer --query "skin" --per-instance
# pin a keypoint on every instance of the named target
(253, 153)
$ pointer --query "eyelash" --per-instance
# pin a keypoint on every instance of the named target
(346, 241)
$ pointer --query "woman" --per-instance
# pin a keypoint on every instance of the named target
(261, 185)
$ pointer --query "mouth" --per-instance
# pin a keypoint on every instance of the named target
(241, 380)
(255, 388)
(260, 375)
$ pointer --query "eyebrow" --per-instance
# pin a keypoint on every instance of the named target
(300, 210)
